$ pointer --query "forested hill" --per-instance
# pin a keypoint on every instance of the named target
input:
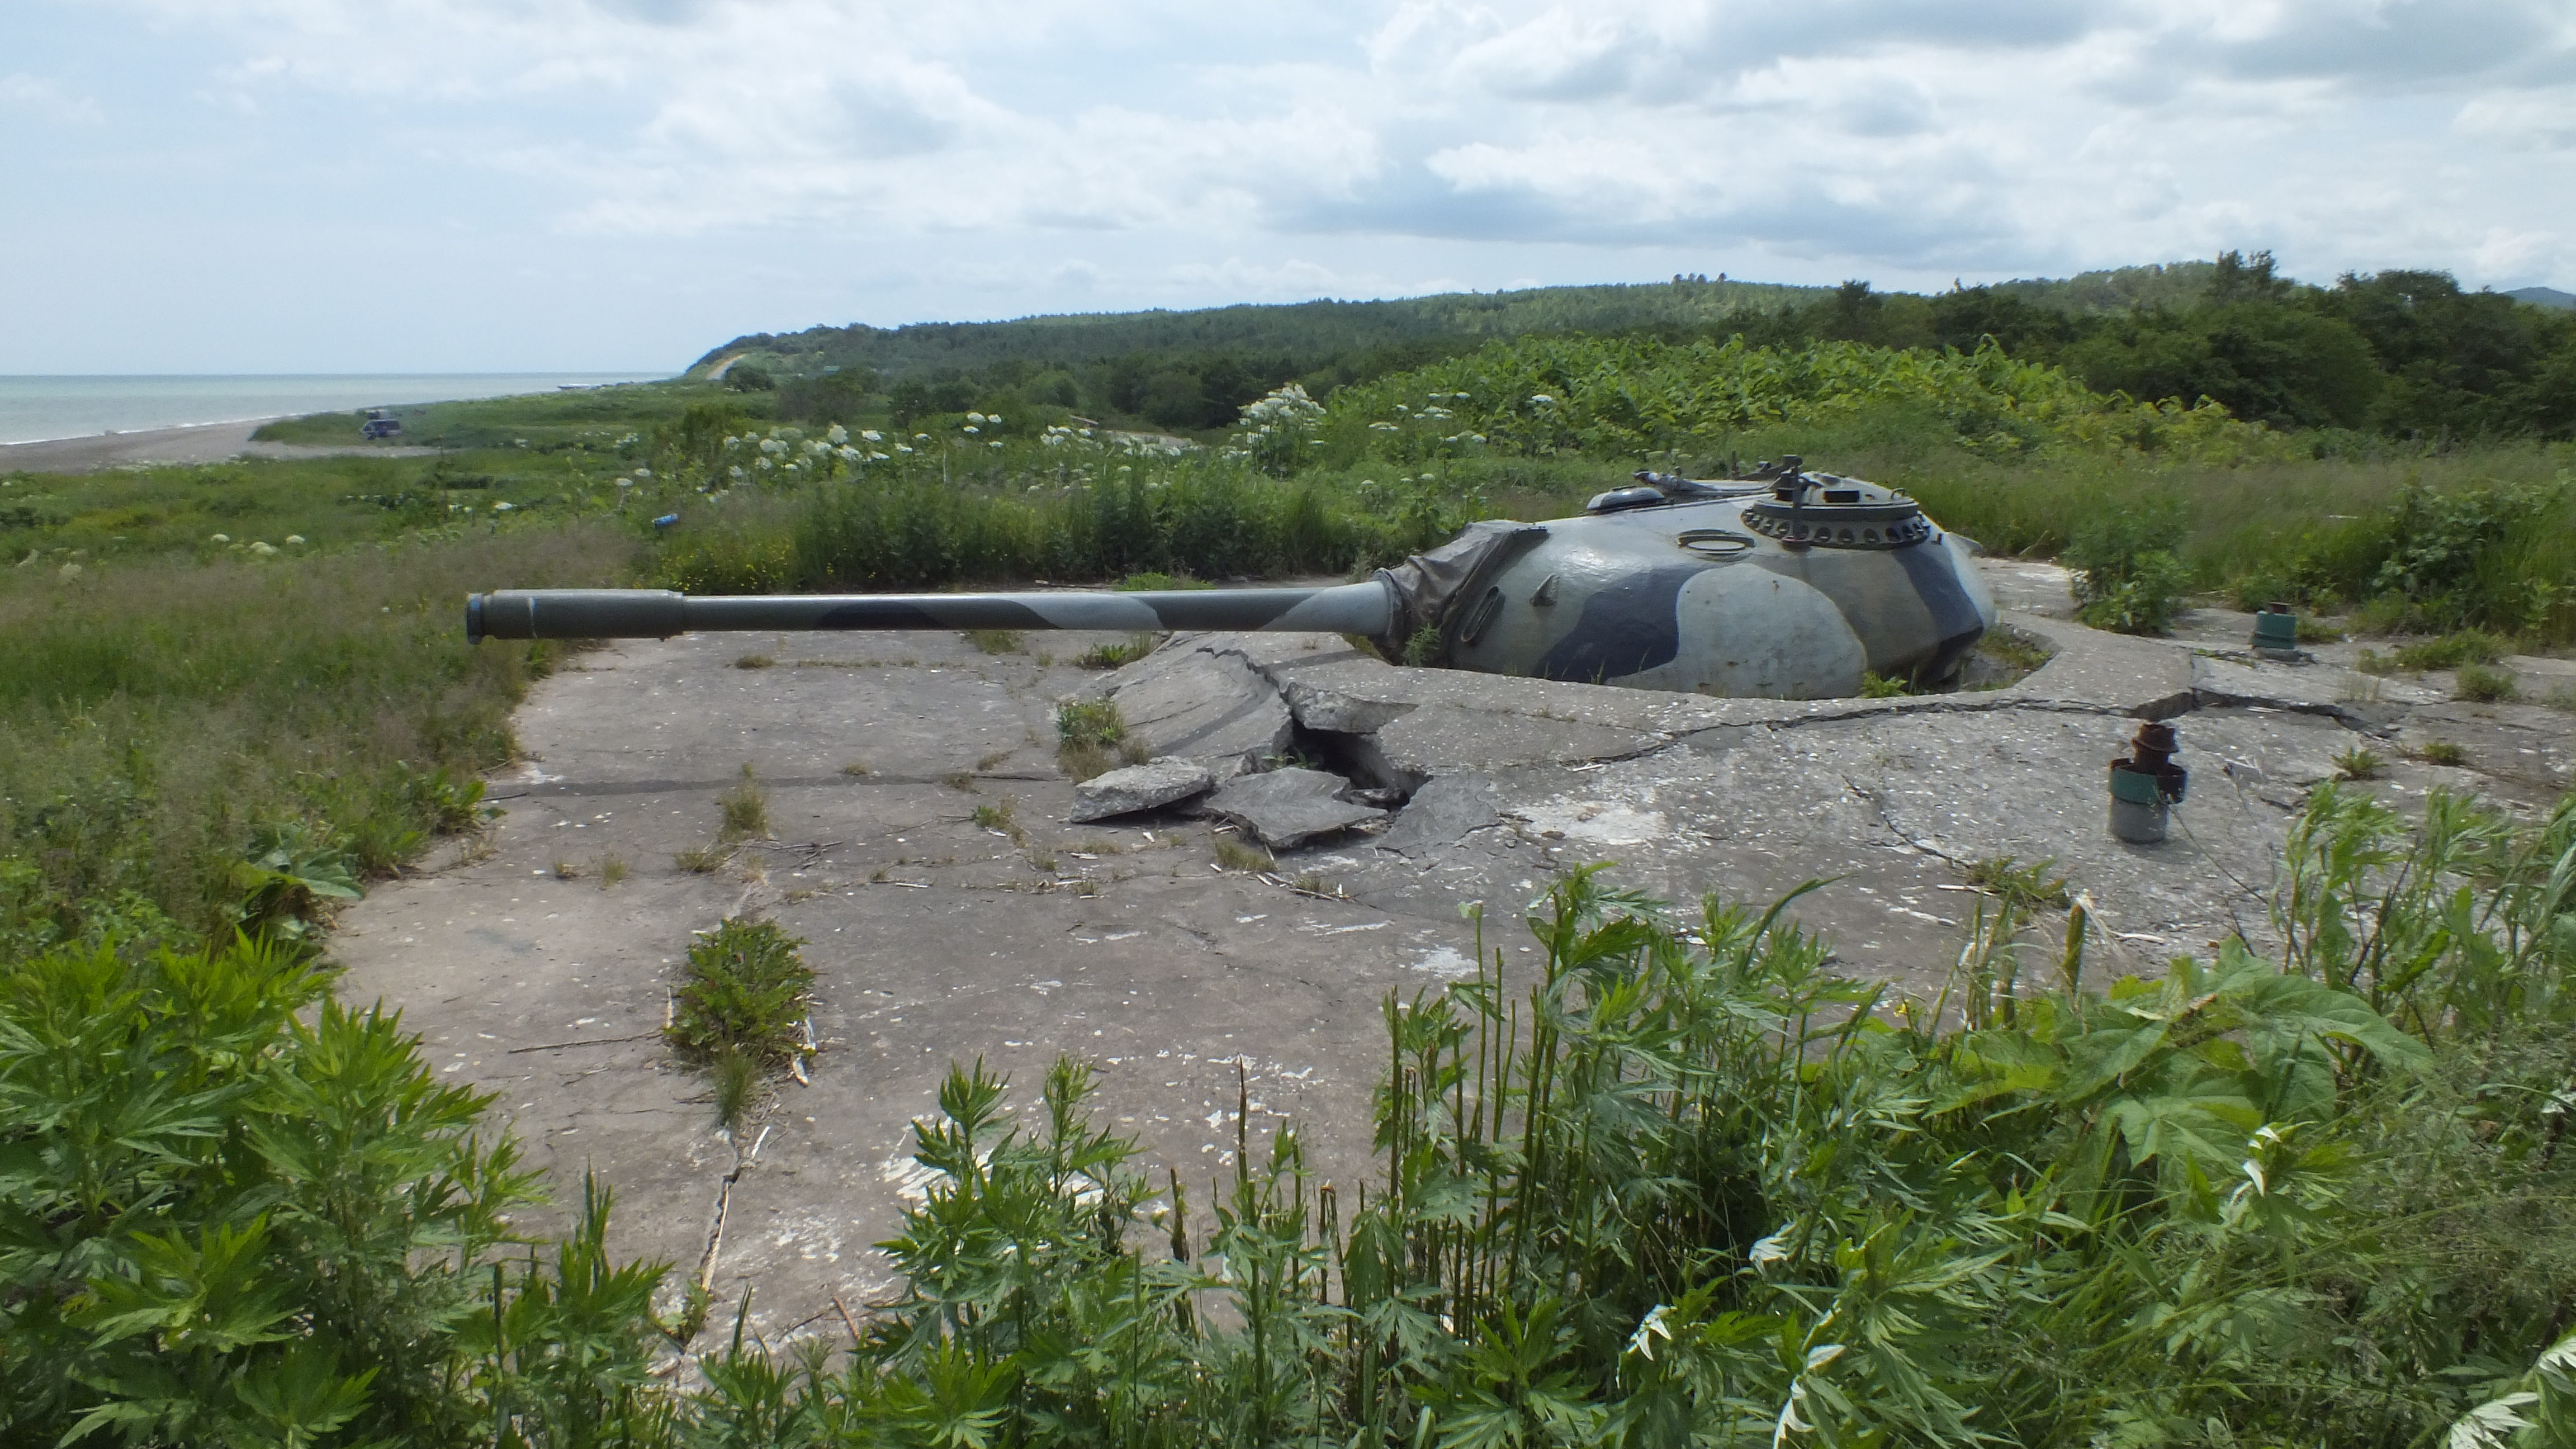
(1309, 331)
(2397, 352)
(1311, 335)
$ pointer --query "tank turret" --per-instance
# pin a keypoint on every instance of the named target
(1784, 585)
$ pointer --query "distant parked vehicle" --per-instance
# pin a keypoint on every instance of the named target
(381, 424)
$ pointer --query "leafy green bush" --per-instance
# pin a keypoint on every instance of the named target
(2127, 577)
(745, 990)
(1627, 397)
(2480, 558)
(237, 1212)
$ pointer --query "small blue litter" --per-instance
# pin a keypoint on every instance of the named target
(666, 520)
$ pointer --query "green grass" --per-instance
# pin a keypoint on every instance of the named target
(1091, 739)
(2451, 651)
(1117, 654)
(155, 713)
(745, 808)
(2481, 685)
(1235, 854)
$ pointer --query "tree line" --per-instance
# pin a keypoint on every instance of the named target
(2401, 353)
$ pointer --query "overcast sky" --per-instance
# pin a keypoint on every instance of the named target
(322, 185)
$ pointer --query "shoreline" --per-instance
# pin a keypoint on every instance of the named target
(192, 443)
(253, 422)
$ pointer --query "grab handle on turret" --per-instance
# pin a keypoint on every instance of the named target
(1362, 608)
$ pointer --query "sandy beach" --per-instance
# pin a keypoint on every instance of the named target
(205, 443)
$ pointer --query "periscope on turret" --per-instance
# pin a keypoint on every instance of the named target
(1782, 585)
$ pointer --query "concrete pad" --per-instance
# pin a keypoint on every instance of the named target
(940, 939)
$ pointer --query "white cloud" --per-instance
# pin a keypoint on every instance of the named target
(1888, 133)
(48, 100)
(1022, 155)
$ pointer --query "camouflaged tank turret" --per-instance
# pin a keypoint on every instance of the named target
(1784, 585)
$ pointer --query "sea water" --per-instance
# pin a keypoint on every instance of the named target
(36, 409)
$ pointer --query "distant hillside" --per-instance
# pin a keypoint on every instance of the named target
(1300, 329)
(2398, 351)
(1305, 334)
(2172, 284)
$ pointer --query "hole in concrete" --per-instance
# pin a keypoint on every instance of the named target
(2006, 656)
(1355, 758)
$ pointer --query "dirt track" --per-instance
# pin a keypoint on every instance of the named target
(204, 443)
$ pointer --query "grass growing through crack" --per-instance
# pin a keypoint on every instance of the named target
(612, 870)
(996, 641)
(2026, 886)
(739, 1009)
(2360, 763)
(746, 810)
(1091, 739)
(2443, 752)
(1234, 854)
(1002, 816)
(1117, 653)
(2479, 684)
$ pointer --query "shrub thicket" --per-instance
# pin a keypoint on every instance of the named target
(1676, 1182)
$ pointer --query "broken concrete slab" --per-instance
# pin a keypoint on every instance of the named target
(1424, 744)
(1138, 787)
(2108, 673)
(1443, 812)
(2356, 699)
(1286, 808)
(1195, 704)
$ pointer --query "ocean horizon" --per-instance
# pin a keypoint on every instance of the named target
(38, 408)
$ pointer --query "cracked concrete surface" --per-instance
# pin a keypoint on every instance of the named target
(940, 939)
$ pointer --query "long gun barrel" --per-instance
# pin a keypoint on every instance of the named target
(1363, 608)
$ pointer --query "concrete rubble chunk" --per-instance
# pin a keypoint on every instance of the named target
(1138, 787)
(1186, 702)
(1442, 813)
(1286, 808)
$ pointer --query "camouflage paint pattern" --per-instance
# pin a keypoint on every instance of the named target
(1789, 587)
